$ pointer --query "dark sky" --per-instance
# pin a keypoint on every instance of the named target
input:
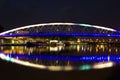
(17, 13)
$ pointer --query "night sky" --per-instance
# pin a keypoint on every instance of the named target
(17, 13)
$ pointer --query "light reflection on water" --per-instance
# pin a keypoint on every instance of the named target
(73, 57)
(62, 50)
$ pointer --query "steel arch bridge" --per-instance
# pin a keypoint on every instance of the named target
(63, 28)
(89, 33)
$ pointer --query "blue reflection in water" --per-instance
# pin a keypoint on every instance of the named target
(71, 58)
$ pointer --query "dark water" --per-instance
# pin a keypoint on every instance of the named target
(56, 58)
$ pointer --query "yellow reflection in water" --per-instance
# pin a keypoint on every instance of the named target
(81, 48)
(102, 65)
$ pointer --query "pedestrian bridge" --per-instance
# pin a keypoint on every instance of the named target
(70, 32)
(67, 28)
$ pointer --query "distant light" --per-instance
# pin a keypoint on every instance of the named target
(54, 49)
(103, 65)
(7, 58)
(85, 67)
(55, 68)
(12, 60)
(2, 56)
(55, 41)
(87, 25)
(68, 68)
(108, 35)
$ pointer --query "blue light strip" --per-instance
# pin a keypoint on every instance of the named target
(61, 35)
(71, 58)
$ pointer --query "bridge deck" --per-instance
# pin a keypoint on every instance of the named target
(60, 35)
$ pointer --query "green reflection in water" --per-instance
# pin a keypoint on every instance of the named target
(85, 67)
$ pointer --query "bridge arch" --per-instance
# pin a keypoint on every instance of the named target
(60, 24)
